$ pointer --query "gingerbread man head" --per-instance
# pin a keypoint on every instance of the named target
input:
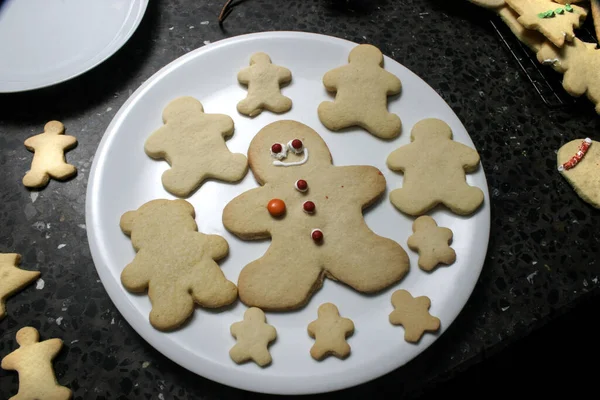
(146, 229)
(366, 54)
(278, 153)
(54, 128)
(260, 58)
(27, 336)
(431, 129)
(182, 108)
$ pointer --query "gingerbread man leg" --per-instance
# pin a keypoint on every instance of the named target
(336, 117)
(61, 168)
(35, 178)
(278, 282)
(359, 269)
(464, 200)
(237, 165)
(251, 106)
(171, 304)
(384, 124)
(405, 200)
(180, 179)
(278, 103)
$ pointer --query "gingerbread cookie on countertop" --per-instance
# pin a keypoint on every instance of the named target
(579, 162)
(49, 155)
(12, 278)
(33, 362)
(312, 211)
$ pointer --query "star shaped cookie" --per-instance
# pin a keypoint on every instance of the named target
(413, 314)
(12, 278)
(330, 331)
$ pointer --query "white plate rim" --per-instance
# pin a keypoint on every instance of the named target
(131, 24)
(243, 379)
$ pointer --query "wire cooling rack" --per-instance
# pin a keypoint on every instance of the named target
(546, 82)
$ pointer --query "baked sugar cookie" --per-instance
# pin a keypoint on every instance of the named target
(432, 243)
(193, 143)
(12, 278)
(49, 155)
(412, 313)
(361, 91)
(33, 361)
(579, 162)
(253, 336)
(312, 211)
(434, 169)
(174, 262)
(264, 79)
(330, 332)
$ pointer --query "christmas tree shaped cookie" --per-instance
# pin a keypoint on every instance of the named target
(312, 211)
(553, 20)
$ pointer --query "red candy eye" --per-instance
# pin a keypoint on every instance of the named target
(317, 235)
(276, 148)
(301, 185)
(297, 144)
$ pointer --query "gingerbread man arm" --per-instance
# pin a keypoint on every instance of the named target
(468, 157)
(222, 122)
(284, 75)
(330, 79)
(244, 76)
(32, 142)
(364, 183)
(218, 246)
(51, 347)
(247, 217)
(394, 86)
(67, 141)
(401, 157)
(154, 145)
(135, 275)
(10, 361)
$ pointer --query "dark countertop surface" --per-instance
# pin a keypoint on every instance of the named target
(544, 240)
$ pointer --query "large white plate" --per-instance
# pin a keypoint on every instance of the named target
(123, 178)
(44, 42)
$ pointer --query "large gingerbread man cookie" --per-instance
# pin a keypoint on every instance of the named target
(174, 262)
(434, 168)
(362, 88)
(193, 143)
(312, 211)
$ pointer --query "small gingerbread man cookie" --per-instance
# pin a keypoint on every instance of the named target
(264, 80)
(413, 314)
(362, 88)
(33, 361)
(174, 262)
(434, 168)
(432, 243)
(253, 336)
(330, 332)
(193, 143)
(12, 278)
(49, 155)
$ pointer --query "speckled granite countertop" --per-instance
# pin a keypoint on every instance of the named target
(541, 258)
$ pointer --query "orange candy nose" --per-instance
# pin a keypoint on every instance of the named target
(276, 207)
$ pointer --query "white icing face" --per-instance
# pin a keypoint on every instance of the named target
(295, 146)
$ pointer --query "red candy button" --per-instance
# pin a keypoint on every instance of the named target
(301, 185)
(317, 235)
(309, 207)
(276, 148)
(297, 144)
(276, 207)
